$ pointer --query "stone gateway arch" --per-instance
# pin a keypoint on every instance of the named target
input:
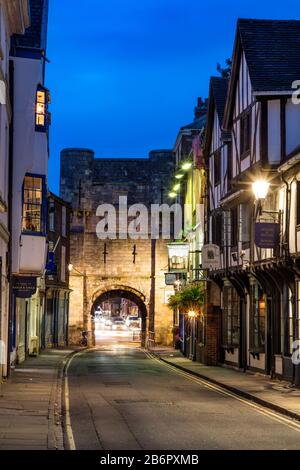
(102, 268)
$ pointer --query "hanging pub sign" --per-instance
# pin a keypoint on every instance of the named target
(24, 287)
(51, 268)
(170, 279)
(211, 257)
(267, 235)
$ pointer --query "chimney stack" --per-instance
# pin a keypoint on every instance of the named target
(201, 108)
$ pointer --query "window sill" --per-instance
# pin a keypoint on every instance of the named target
(229, 348)
(34, 234)
(255, 353)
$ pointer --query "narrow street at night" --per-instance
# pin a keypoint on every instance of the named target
(121, 398)
(149, 232)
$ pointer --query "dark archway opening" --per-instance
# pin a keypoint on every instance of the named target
(119, 315)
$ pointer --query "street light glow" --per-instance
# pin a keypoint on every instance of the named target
(260, 189)
(70, 267)
(172, 194)
(187, 166)
(179, 176)
(176, 187)
(192, 314)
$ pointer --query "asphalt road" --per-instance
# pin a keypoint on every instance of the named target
(120, 399)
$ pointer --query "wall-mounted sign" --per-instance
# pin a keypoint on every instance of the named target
(178, 256)
(170, 279)
(267, 235)
(51, 267)
(211, 257)
(24, 287)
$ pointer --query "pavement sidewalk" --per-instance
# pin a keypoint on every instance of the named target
(30, 404)
(274, 394)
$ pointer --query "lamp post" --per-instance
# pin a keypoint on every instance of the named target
(71, 269)
(192, 317)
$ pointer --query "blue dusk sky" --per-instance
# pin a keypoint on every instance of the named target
(125, 74)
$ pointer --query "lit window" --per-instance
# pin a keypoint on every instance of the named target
(33, 204)
(41, 109)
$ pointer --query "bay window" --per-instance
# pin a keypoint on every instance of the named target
(33, 220)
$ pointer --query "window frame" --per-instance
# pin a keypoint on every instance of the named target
(217, 166)
(64, 222)
(231, 311)
(217, 229)
(257, 326)
(63, 259)
(43, 205)
(234, 219)
(41, 127)
(51, 219)
(245, 134)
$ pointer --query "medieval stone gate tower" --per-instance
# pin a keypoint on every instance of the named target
(133, 268)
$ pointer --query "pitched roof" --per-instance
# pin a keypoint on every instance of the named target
(272, 51)
(219, 87)
(35, 36)
(197, 124)
(217, 100)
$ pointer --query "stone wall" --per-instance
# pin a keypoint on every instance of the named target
(104, 265)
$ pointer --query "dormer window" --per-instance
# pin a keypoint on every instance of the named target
(41, 109)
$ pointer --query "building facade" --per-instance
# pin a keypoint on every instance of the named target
(55, 320)
(252, 147)
(14, 18)
(29, 168)
(197, 331)
(118, 266)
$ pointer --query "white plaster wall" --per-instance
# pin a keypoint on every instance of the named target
(30, 147)
(274, 132)
(292, 126)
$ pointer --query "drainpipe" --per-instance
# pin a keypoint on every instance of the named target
(11, 305)
(287, 215)
(296, 368)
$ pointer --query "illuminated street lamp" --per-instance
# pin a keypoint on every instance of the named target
(260, 189)
(187, 166)
(192, 314)
(176, 187)
(179, 176)
(172, 194)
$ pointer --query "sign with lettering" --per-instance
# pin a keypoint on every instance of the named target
(211, 258)
(24, 287)
(267, 235)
